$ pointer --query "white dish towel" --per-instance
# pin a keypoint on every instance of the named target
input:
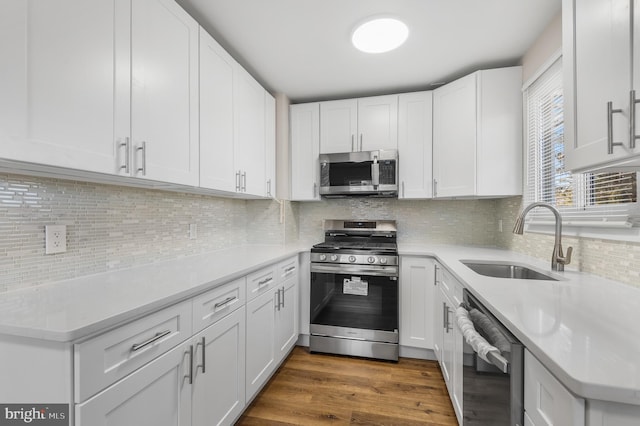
(472, 337)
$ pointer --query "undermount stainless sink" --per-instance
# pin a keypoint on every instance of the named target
(506, 270)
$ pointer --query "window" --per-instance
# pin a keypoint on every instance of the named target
(586, 199)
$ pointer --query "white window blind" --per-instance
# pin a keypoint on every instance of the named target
(586, 199)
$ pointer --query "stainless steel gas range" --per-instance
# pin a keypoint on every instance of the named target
(354, 290)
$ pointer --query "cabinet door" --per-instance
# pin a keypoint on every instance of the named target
(438, 314)
(448, 340)
(270, 144)
(164, 100)
(546, 400)
(260, 341)
(286, 317)
(338, 126)
(416, 300)
(415, 145)
(249, 142)
(219, 371)
(65, 83)
(454, 138)
(597, 64)
(305, 149)
(157, 394)
(378, 123)
(216, 116)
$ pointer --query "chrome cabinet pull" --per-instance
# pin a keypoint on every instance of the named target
(632, 119)
(610, 142)
(353, 148)
(289, 269)
(435, 187)
(276, 297)
(282, 296)
(204, 362)
(269, 187)
(435, 275)
(360, 141)
(143, 149)
(449, 325)
(126, 144)
(156, 337)
(190, 375)
(225, 302)
(244, 182)
(265, 282)
(238, 181)
(445, 317)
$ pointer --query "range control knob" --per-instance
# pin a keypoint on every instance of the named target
(383, 260)
(352, 259)
(334, 257)
(371, 259)
(323, 257)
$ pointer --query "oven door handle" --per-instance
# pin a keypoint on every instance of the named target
(381, 271)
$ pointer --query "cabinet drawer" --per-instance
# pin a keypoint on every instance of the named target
(111, 356)
(288, 269)
(217, 303)
(261, 281)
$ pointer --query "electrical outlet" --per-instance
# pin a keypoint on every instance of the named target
(193, 231)
(55, 239)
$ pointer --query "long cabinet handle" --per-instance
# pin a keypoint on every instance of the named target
(435, 187)
(143, 159)
(632, 119)
(204, 356)
(353, 147)
(360, 141)
(155, 338)
(238, 181)
(282, 290)
(244, 181)
(265, 281)
(289, 270)
(126, 145)
(610, 142)
(445, 316)
(190, 376)
(435, 275)
(225, 302)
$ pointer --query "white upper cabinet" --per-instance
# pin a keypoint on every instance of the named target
(599, 77)
(65, 83)
(164, 92)
(216, 116)
(304, 133)
(270, 144)
(415, 143)
(378, 123)
(338, 126)
(249, 132)
(364, 124)
(101, 86)
(477, 135)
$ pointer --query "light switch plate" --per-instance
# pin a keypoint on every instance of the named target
(55, 239)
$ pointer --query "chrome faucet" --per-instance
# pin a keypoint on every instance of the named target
(558, 260)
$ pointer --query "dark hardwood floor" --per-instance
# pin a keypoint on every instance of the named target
(312, 389)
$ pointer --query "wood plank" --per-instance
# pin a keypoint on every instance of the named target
(319, 389)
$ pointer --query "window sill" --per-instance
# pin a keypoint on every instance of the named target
(613, 231)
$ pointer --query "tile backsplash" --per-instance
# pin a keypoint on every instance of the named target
(112, 227)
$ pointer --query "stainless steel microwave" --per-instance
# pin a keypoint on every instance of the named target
(371, 173)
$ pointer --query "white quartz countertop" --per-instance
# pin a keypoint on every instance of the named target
(72, 309)
(584, 329)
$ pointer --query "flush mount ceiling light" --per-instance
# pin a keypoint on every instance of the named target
(379, 35)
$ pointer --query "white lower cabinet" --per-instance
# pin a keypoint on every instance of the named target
(416, 299)
(448, 341)
(272, 326)
(218, 394)
(158, 394)
(546, 400)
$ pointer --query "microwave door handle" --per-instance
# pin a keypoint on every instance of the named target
(375, 172)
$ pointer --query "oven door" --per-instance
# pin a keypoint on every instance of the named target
(354, 302)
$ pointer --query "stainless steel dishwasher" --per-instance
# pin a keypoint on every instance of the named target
(493, 392)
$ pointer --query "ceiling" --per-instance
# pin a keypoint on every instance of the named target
(302, 48)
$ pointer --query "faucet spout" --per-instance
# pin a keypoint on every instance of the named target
(558, 259)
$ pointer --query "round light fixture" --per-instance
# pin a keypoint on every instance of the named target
(380, 35)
